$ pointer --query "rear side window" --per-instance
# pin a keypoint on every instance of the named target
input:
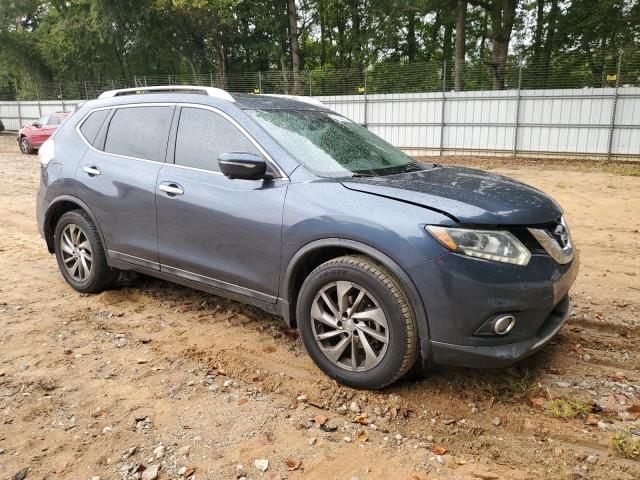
(203, 135)
(91, 126)
(139, 132)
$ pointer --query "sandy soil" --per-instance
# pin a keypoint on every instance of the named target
(156, 375)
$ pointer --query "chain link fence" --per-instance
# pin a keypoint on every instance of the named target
(599, 70)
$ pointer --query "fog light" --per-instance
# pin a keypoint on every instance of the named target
(503, 325)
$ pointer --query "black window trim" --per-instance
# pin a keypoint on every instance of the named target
(97, 140)
(171, 161)
(108, 119)
(270, 162)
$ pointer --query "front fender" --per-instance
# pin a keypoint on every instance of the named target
(388, 262)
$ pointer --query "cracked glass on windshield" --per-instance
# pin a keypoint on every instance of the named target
(331, 145)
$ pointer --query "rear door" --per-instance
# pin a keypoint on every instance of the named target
(216, 231)
(117, 176)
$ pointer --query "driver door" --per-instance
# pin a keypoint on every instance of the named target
(212, 230)
(39, 131)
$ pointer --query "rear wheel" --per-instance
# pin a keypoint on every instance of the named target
(80, 254)
(356, 322)
(25, 146)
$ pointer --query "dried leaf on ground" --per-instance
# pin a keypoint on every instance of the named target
(361, 419)
(320, 419)
(538, 402)
(293, 463)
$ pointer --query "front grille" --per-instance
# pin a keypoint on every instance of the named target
(528, 240)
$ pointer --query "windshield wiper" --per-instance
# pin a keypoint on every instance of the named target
(409, 167)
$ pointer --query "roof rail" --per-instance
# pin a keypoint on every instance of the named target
(299, 98)
(210, 91)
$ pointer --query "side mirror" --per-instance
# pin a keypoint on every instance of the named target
(36, 124)
(245, 166)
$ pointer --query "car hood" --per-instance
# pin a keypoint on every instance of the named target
(469, 196)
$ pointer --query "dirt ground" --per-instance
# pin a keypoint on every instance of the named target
(156, 376)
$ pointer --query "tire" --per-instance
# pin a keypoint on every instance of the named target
(362, 324)
(77, 242)
(25, 146)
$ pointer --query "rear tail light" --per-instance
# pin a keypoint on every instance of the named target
(45, 152)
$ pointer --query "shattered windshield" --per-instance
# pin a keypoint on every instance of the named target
(331, 145)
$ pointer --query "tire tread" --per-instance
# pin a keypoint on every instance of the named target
(105, 276)
(387, 278)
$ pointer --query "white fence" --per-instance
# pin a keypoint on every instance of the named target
(584, 123)
(14, 115)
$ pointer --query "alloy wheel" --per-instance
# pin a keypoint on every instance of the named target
(349, 326)
(77, 255)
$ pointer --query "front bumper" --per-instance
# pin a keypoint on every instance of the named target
(460, 294)
(500, 356)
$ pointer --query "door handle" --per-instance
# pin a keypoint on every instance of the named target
(92, 171)
(171, 189)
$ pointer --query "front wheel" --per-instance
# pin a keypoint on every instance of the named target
(25, 146)
(356, 322)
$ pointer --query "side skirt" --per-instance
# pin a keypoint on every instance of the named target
(260, 300)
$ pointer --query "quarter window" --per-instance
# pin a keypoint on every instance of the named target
(91, 126)
(139, 132)
(203, 135)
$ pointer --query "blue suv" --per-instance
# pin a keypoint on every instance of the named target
(379, 260)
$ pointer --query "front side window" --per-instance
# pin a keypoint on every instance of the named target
(203, 135)
(53, 120)
(331, 145)
(139, 132)
(42, 121)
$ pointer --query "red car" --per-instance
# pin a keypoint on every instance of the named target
(32, 136)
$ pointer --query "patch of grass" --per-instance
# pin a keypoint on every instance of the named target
(622, 169)
(562, 408)
(516, 389)
(491, 165)
(626, 446)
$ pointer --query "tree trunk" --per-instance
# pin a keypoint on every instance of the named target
(461, 38)
(502, 14)
(411, 37)
(549, 42)
(293, 42)
(499, 63)
(447, 50)
(340, 41)
(220, 52)
(285, 77)
(323, 34)
(356, 22)
(539, 32)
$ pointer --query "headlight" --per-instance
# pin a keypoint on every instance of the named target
(499, 246)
